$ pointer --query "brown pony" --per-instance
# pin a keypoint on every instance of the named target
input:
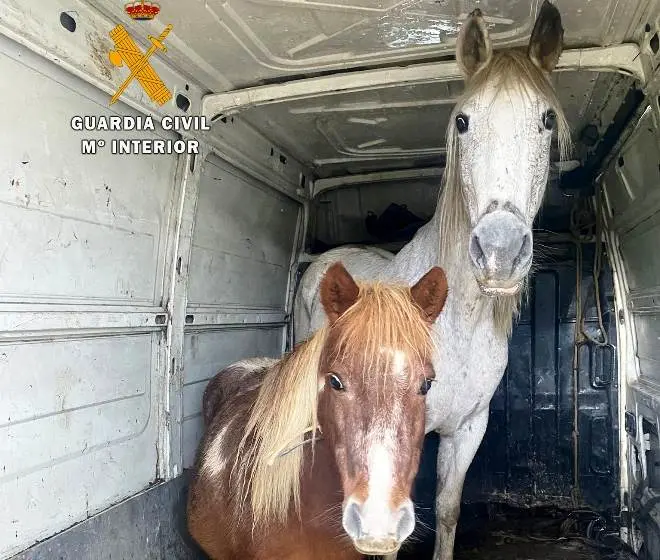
(313, 456)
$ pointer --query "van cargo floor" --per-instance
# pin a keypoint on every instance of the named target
(525, 550)
(499, 532)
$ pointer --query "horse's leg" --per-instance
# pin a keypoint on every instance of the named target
(455, 454)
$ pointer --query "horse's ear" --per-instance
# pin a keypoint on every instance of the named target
(430, 293)
(338, 291)
(473, 46)
(547, 40)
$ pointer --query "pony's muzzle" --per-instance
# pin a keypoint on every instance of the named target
(501, 252)
(378, 531)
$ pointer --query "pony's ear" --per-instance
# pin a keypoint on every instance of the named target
(338, 291)
(430, 293)
(547, 40)
(473, 46)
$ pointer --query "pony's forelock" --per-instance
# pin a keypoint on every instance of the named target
(384, 318)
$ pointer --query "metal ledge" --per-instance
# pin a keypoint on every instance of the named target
(624, 59)
(321, 185)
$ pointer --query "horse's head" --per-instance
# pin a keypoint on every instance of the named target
(375, 371)
(499, 142)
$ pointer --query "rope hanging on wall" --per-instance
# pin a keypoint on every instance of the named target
(586, 227)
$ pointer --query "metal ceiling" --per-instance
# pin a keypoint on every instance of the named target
(227, 46)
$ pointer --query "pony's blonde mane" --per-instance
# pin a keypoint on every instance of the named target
(508, 71)
(270, 455)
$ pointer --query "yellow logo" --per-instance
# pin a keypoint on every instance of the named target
(129, 53)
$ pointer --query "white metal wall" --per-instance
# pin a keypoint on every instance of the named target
(99, 386)
(340, 213)
(82, 265)
(632, 188)
(240, 267)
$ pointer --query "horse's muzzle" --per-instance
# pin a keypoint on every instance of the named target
(378, 531)
(501, 252)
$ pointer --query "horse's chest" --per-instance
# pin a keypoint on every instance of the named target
(467, 376)
(311, 545)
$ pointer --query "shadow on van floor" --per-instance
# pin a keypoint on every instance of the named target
(497, 532)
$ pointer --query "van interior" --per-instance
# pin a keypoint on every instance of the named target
(127, 280)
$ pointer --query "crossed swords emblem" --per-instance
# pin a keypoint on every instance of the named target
(128, 52)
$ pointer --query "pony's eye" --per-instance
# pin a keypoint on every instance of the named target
(549, 119)
(462, 123)
(335, 382)
(426, 385)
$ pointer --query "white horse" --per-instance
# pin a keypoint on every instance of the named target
(498, 158)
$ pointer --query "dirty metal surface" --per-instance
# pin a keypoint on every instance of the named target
(243, 240)
(543, 534)
(226, 46)
(405, 125)
(500, 546)
(527, 454)
(83, 319)
(246, 42)
(149, 526)
(498, 532)
(83, 262)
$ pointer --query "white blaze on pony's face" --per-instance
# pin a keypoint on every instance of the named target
(372, 402)
(382, 425)
(501, 135)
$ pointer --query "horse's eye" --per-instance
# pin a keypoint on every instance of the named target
(462, 123)
(549, 119)
(426, 385)
(335, 382)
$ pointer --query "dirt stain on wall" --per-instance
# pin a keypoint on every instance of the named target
(99, 49)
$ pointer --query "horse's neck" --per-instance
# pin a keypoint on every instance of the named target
(417, 256)
(466, 306)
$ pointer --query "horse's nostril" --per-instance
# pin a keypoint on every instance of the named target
(406, 524)
(476, 252)
(352, 521)
(525, 252)
(527, 244)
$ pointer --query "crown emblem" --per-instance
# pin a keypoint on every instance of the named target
(142, 10)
